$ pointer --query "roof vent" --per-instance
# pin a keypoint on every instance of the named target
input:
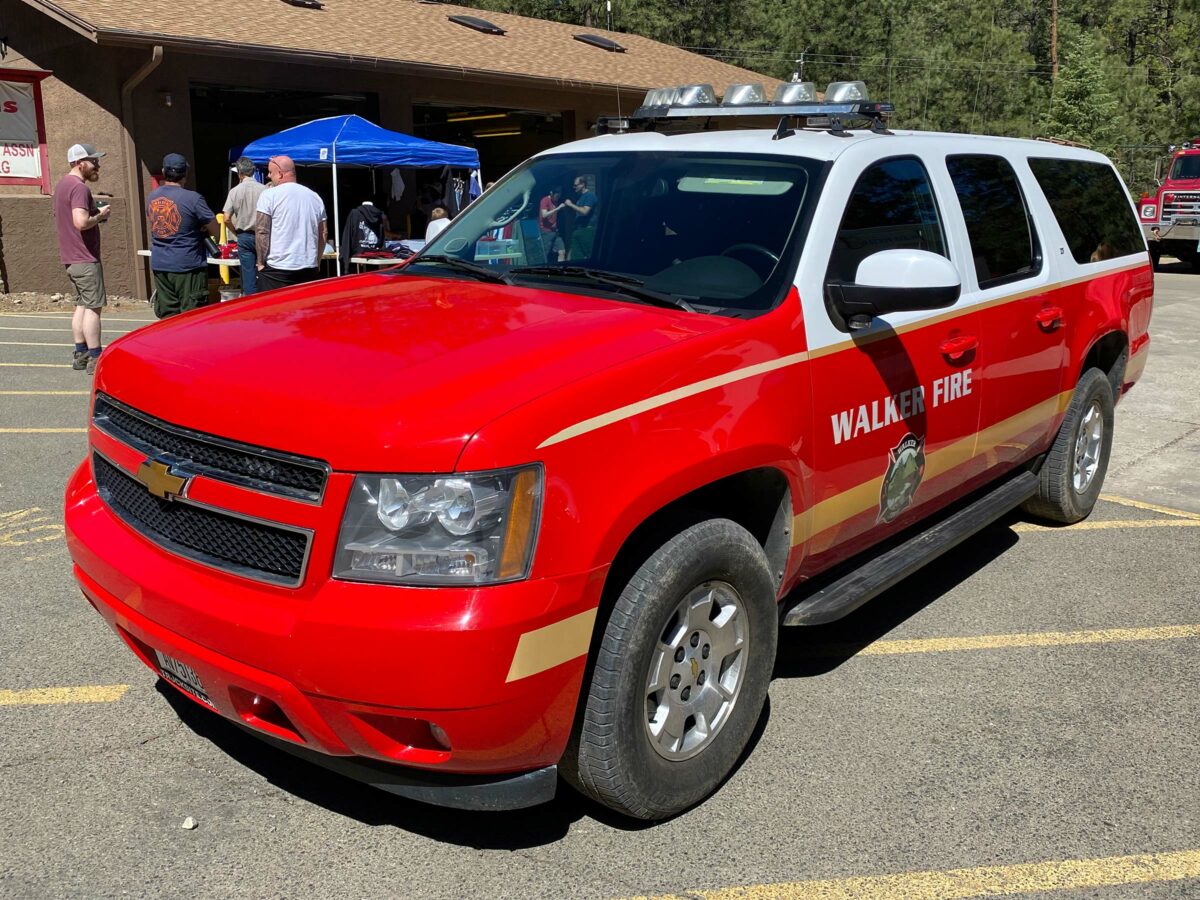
(306, 4)
(476, 23)
(596, 40)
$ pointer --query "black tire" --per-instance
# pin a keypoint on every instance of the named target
(612, 756)
(1058, 499)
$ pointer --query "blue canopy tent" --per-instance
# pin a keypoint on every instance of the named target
(353, 141)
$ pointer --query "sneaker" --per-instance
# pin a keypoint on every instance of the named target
(79, 360)
(91, 363)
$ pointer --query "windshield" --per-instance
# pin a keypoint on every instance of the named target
(708, 232)
(1186, 167)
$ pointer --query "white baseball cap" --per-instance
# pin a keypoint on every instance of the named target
(82, 151)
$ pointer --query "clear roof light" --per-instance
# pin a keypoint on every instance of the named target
(661, 96)
(845, 92)
(795, 92)
(696, 95)
(744, 95)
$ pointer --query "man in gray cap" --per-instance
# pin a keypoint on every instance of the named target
(76, 216)
(178, 219)
(239, 215)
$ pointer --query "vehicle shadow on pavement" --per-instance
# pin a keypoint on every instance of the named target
(807, 651)
(509, 830)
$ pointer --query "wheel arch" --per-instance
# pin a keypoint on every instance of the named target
(1108, 352)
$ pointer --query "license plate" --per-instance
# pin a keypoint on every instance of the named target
(182, 676)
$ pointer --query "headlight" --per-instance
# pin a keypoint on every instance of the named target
(440, 529)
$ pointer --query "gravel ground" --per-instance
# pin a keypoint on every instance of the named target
(35, 301)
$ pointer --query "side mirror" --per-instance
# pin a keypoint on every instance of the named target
(896, 281)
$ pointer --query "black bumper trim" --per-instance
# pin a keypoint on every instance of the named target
(485, 793)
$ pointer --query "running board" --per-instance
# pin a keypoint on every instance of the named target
(874, 577)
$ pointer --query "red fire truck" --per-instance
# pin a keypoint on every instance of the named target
(459, 527)
(1171, 218)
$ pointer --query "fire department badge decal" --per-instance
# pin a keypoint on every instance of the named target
(906, 466)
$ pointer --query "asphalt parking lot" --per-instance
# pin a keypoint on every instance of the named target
(1018, 720)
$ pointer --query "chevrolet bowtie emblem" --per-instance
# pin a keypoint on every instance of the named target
(159, 480)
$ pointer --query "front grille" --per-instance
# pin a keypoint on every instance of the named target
(233, 544)
(255, 467)
(1182, 206)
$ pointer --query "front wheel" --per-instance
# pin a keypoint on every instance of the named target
(1073, 473)
(681, 675)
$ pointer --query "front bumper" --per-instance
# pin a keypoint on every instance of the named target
(423, 677)
(1171, 231)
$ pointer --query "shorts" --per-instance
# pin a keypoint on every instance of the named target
(552, 242)
(178, 292)
(88, 279)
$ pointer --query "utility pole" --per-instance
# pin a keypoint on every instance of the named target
(1053, 38)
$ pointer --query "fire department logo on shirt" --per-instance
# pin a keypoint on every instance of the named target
(164, 217)
(906, 466)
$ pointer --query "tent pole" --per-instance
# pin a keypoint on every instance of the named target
(336, 219)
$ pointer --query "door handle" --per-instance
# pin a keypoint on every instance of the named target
(955, 348)
(1049, 317)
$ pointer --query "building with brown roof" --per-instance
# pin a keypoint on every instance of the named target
(141, 78)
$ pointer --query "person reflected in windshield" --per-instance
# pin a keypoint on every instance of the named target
(584, 206)
(552, 242)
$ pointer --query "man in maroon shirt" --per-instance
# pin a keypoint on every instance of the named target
(76, 217)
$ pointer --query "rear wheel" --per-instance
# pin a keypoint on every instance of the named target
(1073, 473)
(681, 674)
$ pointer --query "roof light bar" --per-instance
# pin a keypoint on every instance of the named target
(843, 100)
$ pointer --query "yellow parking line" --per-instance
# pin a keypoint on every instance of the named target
(1152, 507)
(1023, 527)
(40, 393)
(35, 365)
(43, 431)
(66, 317)
(1010, 641)
(53, 330)
(92, 693)
(984, 881)
(31, 344)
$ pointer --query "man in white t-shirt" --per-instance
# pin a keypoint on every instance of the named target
(290, 229)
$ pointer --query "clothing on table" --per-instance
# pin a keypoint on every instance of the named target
(434, 228)
(248, 257)
(296, 214)
(363, 232)
(269, 279)
(241, 203)
(75, 246)
(179, 292)
(177, 218)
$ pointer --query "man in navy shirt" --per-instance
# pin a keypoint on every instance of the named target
(179, 219)
(584, 230)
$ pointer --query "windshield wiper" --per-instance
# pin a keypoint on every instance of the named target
(484, 273)
(626, 284)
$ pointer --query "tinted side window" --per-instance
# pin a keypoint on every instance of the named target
(1003, 240)
(892, 207)
(1091, 209)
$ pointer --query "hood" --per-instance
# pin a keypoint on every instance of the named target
(378, 372)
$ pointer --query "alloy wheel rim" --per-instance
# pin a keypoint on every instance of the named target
(1087, 448)
(696, 671)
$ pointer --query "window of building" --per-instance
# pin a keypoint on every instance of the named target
(1004, 242)
(1090, 208)
(892, 207)
(23, 129)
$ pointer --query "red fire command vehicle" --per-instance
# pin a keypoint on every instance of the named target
(1171, 218)
(537, 503)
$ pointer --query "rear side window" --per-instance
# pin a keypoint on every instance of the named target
(891, 208)
(1004, 242)
(1091, 209)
